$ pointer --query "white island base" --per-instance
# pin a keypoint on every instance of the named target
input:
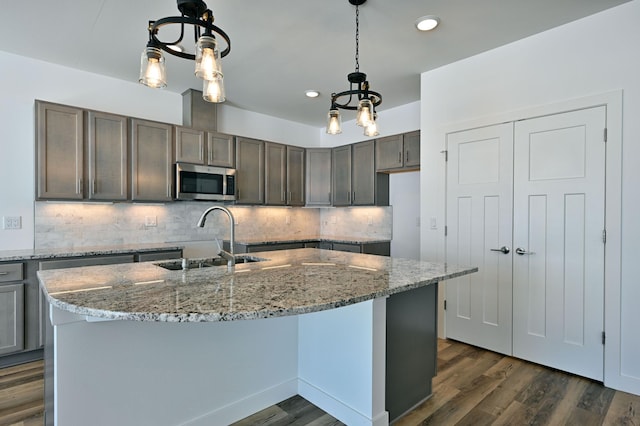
(214, 373)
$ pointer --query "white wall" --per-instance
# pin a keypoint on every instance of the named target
(23, 80)
(404, 195)
(594, 55)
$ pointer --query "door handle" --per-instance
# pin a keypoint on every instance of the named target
(522, 251)
(503, 249)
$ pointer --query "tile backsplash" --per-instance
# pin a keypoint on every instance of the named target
(71, 225)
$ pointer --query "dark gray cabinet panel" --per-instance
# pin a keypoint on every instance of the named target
(60, 151)
(295, 176)
(221, 150)
(363, 174)
(318, 181)
(11, 308)
(189, 145)
(249, 171)
(275, 166)
(398, 153)
(151, 161)
(158, 255)
(412, 150)
(341, 173)
(107, 160)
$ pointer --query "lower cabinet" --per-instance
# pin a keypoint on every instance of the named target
(11, 318)
(380, 248)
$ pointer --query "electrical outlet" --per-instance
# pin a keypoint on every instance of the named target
(150, 221)
(12, 222)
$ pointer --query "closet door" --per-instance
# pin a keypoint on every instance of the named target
(558, 264)
(479, 226)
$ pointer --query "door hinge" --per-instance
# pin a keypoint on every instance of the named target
(604, 337)
(446, 154)
(605, 134)
(445, 305)
(604, 236)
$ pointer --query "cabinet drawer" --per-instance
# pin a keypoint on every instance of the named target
(10, 272)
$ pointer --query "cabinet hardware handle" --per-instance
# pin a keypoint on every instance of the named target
(290, 196)
(4, 273)
(503, 249)
(79, 189)
(399, 157)
(354, 196)
(349, 196)
(407, 160)
(94, 186)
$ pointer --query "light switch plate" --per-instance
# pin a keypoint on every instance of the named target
(12, 222)
(150, 221)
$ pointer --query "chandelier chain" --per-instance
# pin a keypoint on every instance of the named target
(357, 38)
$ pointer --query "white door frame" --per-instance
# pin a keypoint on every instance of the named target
(613, 215)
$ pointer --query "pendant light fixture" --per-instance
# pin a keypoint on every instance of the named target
(197, 17)
(364, 100)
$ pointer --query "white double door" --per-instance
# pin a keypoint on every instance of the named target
(526, 203)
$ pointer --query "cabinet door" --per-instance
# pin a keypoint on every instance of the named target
(189, 145)
(295, 176)
(221, 150)
(412, 150)
(389, 153)
(249, 171)
(341, 172)
(11, 318)
(351, 248)
(151, 161)
(60, 140)
(364, 174)
(318, 182)
(275, 166)
(107, 144)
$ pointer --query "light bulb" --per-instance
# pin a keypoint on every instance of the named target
(365, 113)
(152, 68)
(207, 63)
(371, 129)
(213, 90)
(334, 122)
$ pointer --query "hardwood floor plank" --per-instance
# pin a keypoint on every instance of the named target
(441, 395)
(264, 417)
(568, 404)
(596, 398)
(624, 410)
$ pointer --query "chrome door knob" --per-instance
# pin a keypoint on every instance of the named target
(503, 249)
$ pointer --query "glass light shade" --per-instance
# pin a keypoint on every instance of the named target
(334, 122)
(365, 113)
(153, 72)
(207, 61)
(213, 90)
(372, 129)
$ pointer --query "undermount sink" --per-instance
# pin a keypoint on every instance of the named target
(177, 265)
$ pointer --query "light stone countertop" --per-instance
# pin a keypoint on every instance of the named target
(287, 282)
(36, 254)
(309, 238)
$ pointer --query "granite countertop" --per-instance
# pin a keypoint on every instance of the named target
(34, 254)
(287, 282)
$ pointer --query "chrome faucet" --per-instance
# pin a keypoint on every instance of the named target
(229, 255)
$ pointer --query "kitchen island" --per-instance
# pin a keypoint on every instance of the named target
(139, 344)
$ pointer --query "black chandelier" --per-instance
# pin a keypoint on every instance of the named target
(207, 54)
(366, 100)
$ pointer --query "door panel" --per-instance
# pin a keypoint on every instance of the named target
(558, 292)
(479, 218)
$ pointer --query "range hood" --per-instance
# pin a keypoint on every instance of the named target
(198, 113)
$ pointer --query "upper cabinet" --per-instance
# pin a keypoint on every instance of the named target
(398, 153)
(341, 175)
(355, 181)
(107, 146)
(151, 161)
(60, 151)
(221, 150)
(295, 176)
(275, 166)
(249, 171)
(190, 145)
(363, 174)
(318, 181)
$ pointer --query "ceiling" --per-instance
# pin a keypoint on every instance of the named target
(280, 48)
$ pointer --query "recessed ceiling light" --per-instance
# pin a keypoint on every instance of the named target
(312, 93)
(427, 23)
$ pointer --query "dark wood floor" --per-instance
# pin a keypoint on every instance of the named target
(473, 387)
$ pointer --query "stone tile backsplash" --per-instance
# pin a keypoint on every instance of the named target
(71, 225)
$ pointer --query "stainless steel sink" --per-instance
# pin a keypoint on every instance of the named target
(178, 265)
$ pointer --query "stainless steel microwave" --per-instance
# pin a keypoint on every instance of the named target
(196, 182)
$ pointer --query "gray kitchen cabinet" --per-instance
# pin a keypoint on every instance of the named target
(249, 171)
(341, 175)
(275, 178)
(158, 255)
(398, 153)
(11, 308)
(190, 144)
(295, 176)
(380, 249)
(318, 177)
(59, 151)
(220, 150)
(107, 146)
(351, 248)
(252, 248)
(151, 161)
(355, 181)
